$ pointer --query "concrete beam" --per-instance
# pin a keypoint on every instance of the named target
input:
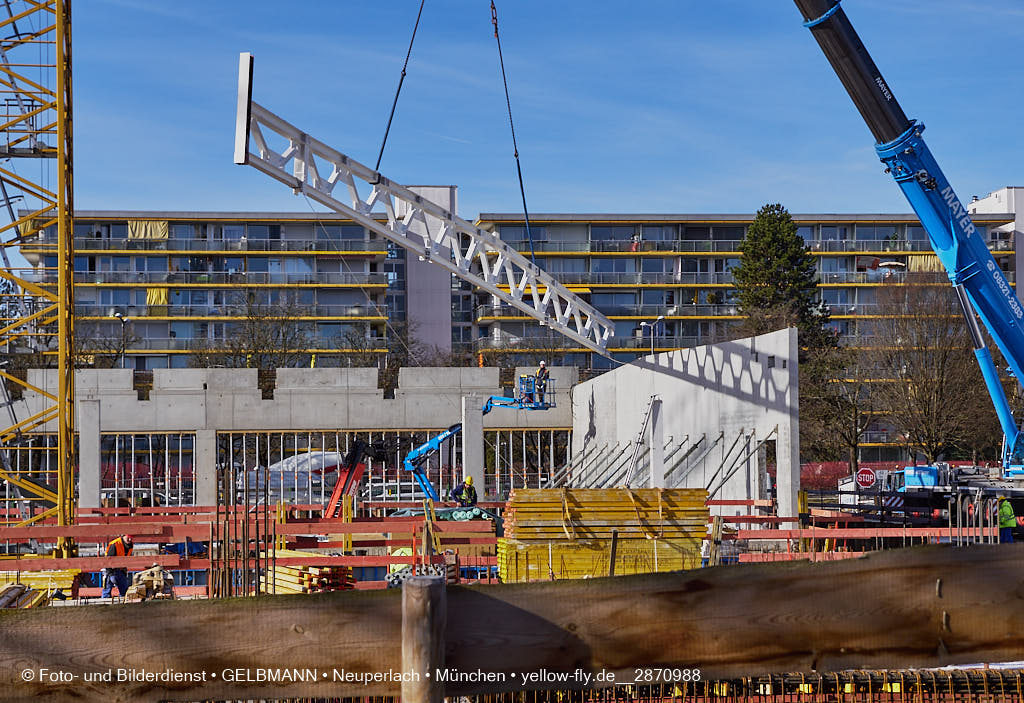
(473, 440)
(89, 456)
(204, 470)
(656, 444)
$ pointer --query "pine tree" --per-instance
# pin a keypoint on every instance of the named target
(776, 279)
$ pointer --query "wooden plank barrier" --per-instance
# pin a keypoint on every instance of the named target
(922, 607)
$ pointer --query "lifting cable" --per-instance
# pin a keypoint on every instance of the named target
(515, 148)
(401, 80)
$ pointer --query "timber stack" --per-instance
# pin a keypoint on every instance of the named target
(580, 533)
(306, 578)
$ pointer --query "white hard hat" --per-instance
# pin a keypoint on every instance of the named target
(542, 363)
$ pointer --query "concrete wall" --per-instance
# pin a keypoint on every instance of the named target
(186, 400)
(207, 401)
(428, 302)
(745, 389)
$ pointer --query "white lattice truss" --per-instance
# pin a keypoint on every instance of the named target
(413, 222)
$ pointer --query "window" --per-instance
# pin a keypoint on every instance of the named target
(728, 233)
(692, 265)
(115, 296)
(833, 233)
(180, 231)
(656, 265)
(232, 233)
(697, 233)
(806, 233)
(657, 297)
(876, 233)
(517, 233)
(835, 296)
(256, 264)
(341, 232)
(660, 233)
(613, 233)
(119, 231)
(618, 264)
(833, 264)
(613, 300)
(557, 264)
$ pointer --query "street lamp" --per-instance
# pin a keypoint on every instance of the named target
(653, 326)
(124, 342)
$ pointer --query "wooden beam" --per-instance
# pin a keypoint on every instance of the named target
(920, 607)
(424, 616)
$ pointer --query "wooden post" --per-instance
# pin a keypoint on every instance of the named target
(424, 617)
(614, 548)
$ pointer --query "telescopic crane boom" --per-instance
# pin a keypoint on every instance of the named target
(980, 285)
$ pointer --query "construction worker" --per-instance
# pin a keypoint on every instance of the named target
(464, 494)
(119, 547)
(541, 381)
(1007, 520)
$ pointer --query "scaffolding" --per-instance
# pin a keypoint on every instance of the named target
(36, 136)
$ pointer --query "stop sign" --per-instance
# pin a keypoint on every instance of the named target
(865, 478)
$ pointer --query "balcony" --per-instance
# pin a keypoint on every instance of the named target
(236, 311)
(645, 311)
(215, 245)
(881, 276)
(141, 278)
(187, 344)
(607, 246)
(660, 342)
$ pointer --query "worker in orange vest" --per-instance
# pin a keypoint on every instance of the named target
(117, 576)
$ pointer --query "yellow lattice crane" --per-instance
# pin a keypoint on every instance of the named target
(38, 304)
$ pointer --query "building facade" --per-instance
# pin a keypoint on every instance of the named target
(666, 281)
(157, 286)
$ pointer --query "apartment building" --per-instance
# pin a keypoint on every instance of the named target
(666, 281)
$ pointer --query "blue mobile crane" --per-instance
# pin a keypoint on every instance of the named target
(531, 396)
(980, 285)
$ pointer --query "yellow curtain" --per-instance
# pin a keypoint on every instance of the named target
(145, 229)
(923, 263)
(156, 301)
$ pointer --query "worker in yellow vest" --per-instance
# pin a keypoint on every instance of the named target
(1007, 520)
(464, 494)
(117, 576)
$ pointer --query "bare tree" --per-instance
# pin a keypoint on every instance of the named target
(836, 414)
(934, 394)
(96, 346)
(268, 336)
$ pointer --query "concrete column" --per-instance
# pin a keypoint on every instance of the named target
(473, 440)
(205, 467)
(89, 457)
(787, 482)
(656, 443)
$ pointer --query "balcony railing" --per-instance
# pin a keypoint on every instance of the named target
(607, 246)
(141, 278)
(218, 245)
(881, 276)
(185, 344)
(652, 311)
(660, 342)
(171, 310)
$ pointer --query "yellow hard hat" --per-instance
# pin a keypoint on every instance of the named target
(469, 480)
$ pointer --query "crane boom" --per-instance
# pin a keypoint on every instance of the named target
(980, 285)
(413, 222)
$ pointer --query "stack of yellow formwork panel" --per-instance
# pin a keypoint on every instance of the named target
(39, 585)
(306, 579)
(567, 533)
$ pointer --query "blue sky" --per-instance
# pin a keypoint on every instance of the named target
(653, 106)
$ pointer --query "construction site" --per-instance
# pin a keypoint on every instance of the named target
(515, 532)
